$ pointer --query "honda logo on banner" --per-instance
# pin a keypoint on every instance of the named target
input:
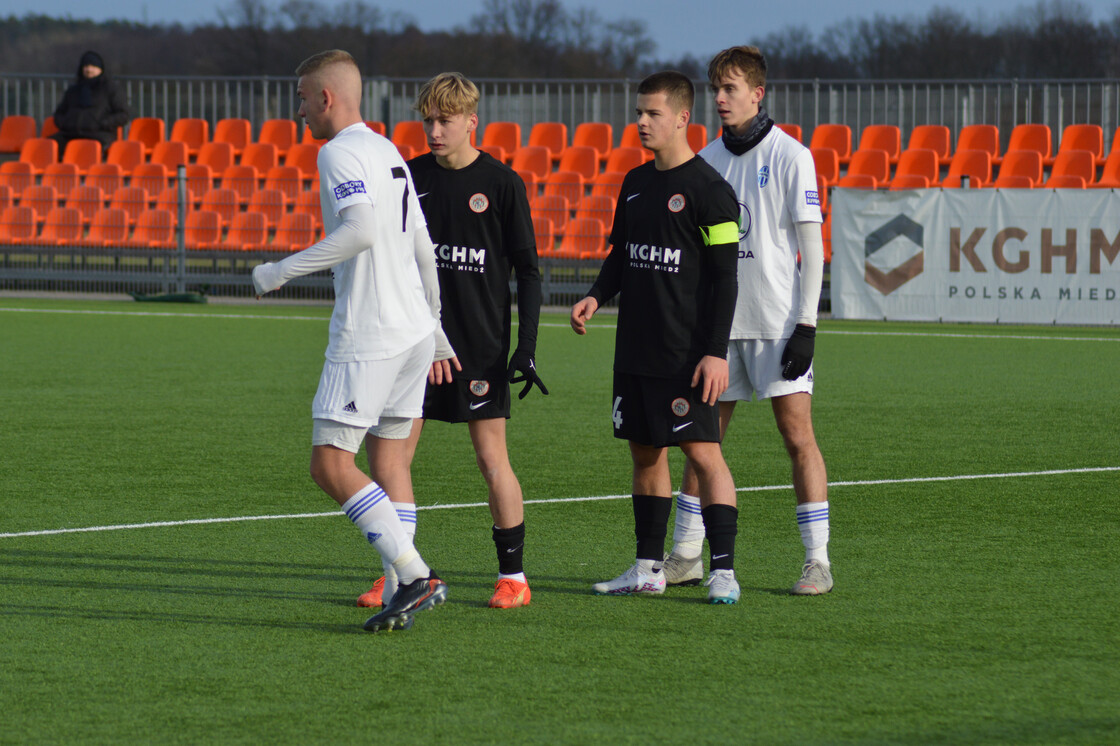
(901, 228)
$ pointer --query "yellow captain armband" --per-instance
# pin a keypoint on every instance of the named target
(722, 233)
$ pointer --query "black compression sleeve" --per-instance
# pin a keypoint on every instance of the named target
(725, 290)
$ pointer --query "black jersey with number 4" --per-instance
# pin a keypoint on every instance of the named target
(478, 218)
(677, 285)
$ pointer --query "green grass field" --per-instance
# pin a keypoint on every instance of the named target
(975, 520)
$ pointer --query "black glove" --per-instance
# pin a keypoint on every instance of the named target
(798, 354)
(522, 361)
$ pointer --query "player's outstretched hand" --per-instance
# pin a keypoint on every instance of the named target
(522, 362)
(713, 373)
(441, 370)
(798, 354)
(582, 313)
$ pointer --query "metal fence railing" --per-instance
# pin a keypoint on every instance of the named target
(857, 103)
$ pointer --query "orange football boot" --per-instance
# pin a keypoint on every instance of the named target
(509, 594)
(372, 598)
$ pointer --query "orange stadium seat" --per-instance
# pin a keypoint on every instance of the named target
(625, 159)
(407, 151)
(192, 132)
(378, 127)
(83, 154)
(109, 227)
(857, 181)
(271, 203)
(62, 176)
(170, 153)
(533, 158)
(935, 137)
(63, 225)
(552, 136)
(1065, 181)
(583, 238)
(630, 137)
(40, 152)
(835, 136)
(5, 196)
(203, 229)
(17, 176)
(247, 232)
(980, 137)
(598, 206)
(697, 137)
(554, 207)
(411, 133)
(827, 162)
(568, 184)
(305, 158)
(871, 162)
(87, 200)
(885, 137)
(919, 162)
(155, 229)
(200, 180)
(49, 127)
(286, 179)
(497, 152)
(40, 198)
(976, 164)
(17, 225)
(168, 199)
(127, 154)
(309, 139)
(236, 131)
(1026, 163)
(793, 130)
(1011, 181)
(105, 176)
(261, 156)
(1088, 137)
(224, 202)
(281, 133)
(531, 181)
(822, 196)
(153, 177)
(15, 130)
(1034, 137)
(1074, 163)
(148, 131)
(217, 155)
(597, 135)
(506, 135)
(132, 200)
(308, 203)
(545, 234)
(583, 159)
(1110, 175)
(296, 231)
(909, 181)
(241, 179)
(608, 183)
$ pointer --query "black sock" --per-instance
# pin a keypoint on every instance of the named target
(651, 524)
(721, 526)
(510, 543)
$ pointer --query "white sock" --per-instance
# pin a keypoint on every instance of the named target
(370, 510)
(812, 521)
(648, 566)
(688, 528)
(407, 513)
(519, 577)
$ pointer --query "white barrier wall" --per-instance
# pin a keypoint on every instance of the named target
(1037, 256)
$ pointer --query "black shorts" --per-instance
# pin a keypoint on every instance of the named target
(466, 398)
(662, 412)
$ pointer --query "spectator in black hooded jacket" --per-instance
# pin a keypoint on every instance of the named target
(92, 108)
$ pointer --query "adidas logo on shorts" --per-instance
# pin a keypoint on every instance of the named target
(351, 408)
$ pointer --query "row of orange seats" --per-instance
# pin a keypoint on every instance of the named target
(155, 228)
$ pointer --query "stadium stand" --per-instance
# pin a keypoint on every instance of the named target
(87, 199)
(235, 131)
(49, 127)
(294, 232)
(568, 184)
(247, 232)
(1011, 181)
(154, 229)
(583, 159)
(596, 135)
(544, 234)
(273, 204)
(624, 159)
(554, 207)
(39, 152)
(980, 137)
(1088, 137)
(17, 176)
(858, 181)
(533, 158)
(222, 202)
(109, 227)
(83, 154)
(171, 154)
(1034, 137)
(105, 176)
(827, 162)
(153, 177)
(131, 200)
(40, 198)
(976, 164)
(597, 206)
(1021, 163)
(308, 203)
(793, 130)
(17, 225)
(203, 229)
(378, 127)
(909, 181)
(630, 138)
(553, 136)
(127, 154)
(885, 137)
(5, 197)
(62, 176)
(584, 238)
(305, 158)
(697, 137)
(1065, 181)
(935, 137)
(1080, 163)
(192, 132)
(63, 225)
(608, 183)
(411, 133)
(15, 130)
(506, 135)
(532, 183)
(280, 133)
(496, 151)
(838, 137)
(308, 139)
(919, 162)
(148, 131)
(870, 162)
(1110, 174)
(261, 156)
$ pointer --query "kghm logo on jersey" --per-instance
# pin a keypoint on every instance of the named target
(342, 191)
(680, 407)
(676, 203)
(644, 256)
(478, 203)
(763, 176)
(480, 388)
(461, 258)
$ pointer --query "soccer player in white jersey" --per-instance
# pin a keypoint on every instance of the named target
(384, 331)
(772, 335)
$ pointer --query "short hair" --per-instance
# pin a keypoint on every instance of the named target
(747, 60)
(676, 86)
(320, 60)
(451, 93)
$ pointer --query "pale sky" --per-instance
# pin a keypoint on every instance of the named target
(677, 27)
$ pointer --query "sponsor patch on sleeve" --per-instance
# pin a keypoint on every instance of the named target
(812, 198)
(342, 191)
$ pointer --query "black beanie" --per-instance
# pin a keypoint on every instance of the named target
(92, 58)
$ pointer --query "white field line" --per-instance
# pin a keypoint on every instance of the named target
(762, 488)
(549, 325)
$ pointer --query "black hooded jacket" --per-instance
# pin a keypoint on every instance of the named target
(92, 107)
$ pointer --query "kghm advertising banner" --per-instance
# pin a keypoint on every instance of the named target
(1039, 256)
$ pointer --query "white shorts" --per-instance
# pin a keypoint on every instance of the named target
(380, 397)
(755, 366)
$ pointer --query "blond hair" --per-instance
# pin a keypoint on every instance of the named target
(451, 93)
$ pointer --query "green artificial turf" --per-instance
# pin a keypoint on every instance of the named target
(972, 601)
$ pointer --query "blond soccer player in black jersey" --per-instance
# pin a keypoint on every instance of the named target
(672, 262)
(478, 217)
